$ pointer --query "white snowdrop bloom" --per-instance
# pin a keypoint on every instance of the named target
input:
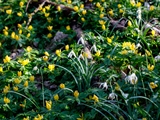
(139, 14)
(125, 95)
(94, 48)
(132, 78)
(71, 54)
(146, 4)
(103, 85)
(157, 58)
(81, 41)
(36, 69)
(112, 96)
(138, 46)
(80, 57)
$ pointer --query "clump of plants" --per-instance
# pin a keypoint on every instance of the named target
(79, 60)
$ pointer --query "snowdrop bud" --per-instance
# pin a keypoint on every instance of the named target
(72, 53)
(103, 85)
(132, 79)
(81, 41)
(157, 58)
(112, 96)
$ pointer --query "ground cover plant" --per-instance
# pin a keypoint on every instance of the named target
(79, 59)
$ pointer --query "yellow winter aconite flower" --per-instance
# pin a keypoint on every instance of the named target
(49, 35)
(5, 33)
(49, 105)
(62, 86)
(25, 62)
(75, 8)
(17, 37)
(76, 94)
(82, 19)
(48, 7)
(17, 81)
(58, 8)
(15, 88)
(26, 84)
(67, 47)
(98, 5)
(153, 32)
(144, 118)
(109, 40)
(147, 53)
(103, 27)
(69, 1)
(132, 2)
(56, 97)
(111, 12)
(85, 54)
(119, 5)
(30, 27)
(151, 8)
(84, 12)
(19, 25)
(81, 6)
(101, 22)
(58, 53)
(21, 4)
(6, 89)
(45, 58)
(29, 49)
(13, 35)
(6, 59)
(150, 67)
(6, 100)
(19, 14)
(46, 53)
(31, 78)
(26, 118)
(124, 52)
(95, 98)
(51, 67)
(98, 53)
(1, 69)
(138, 4)
(68, 27)
(39, 117)
(46, 14)
(9, 11)
(117, 87)
(153, 85)
(121, 11)
(20, 31)
(28, 35)
(101, 15)
(49, 28)
(129, 23)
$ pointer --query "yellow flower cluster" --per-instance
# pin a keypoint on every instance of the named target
(6, 100)
(76, 94)
(153, 85)
(6, 59)
(49, 105)
(95, 98)
(62, 86)
(129, 45)
(39, 117)
(6, 89)
(56, 97)
(51, 67)
(150, 67)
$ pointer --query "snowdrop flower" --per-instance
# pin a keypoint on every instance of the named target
(157, 58)
(132, 78)
(139, 15)
(146, 4)
(112, 96)
(138, 46)
(36, 69)
(94, 48)
(103, 85)
(81, 41)
(80, 57)
(72, 53)
(125, 95)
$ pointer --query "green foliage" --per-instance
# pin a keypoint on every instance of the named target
(117, 77)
